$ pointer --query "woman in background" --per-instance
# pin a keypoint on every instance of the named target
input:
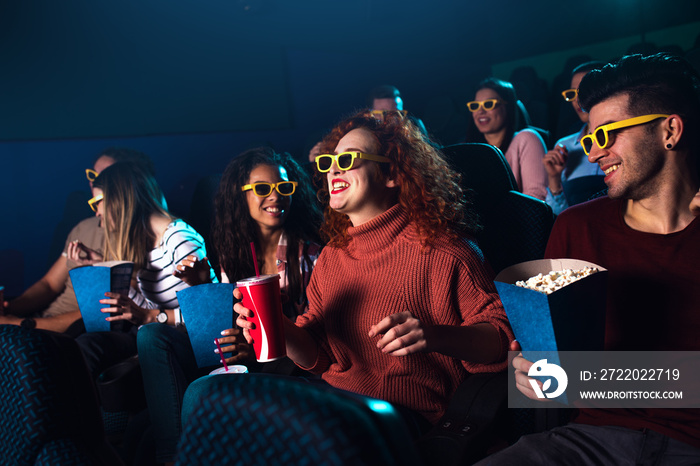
(494, 121)
(264, 198)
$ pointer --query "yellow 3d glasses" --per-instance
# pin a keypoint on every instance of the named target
(570, 94)
(345, 160)
(488, 104)
(381, 114)
(261, 189)
(602, 139)
(94, 201)
(91, 174)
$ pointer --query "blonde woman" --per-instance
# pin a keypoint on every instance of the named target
(138, 228)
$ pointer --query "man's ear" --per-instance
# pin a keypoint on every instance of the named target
(673, 128)
(390, 183)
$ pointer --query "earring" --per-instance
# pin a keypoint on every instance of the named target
(669, 146)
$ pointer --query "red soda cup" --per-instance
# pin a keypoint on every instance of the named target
(262, 296)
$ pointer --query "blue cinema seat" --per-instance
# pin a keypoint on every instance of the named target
(516, 229)
(49, 413)
(261, 419)
(516, 226)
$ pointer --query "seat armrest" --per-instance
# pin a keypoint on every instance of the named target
(465, 431)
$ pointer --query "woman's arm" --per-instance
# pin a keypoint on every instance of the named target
(403, 334)
(530, 150)
(193, 271)
(122, 307)
(301, 347)
(463, 317)
(158, 284)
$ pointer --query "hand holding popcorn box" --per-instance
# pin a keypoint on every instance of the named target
(555, 304)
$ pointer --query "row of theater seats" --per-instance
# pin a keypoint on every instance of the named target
(50, 412)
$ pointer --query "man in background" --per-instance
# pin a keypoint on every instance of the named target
(572, 178)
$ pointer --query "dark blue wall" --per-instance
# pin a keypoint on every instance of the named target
(192, 83)
(40, 177)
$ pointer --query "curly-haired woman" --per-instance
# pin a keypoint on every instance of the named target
(401, 304)
(264, 198)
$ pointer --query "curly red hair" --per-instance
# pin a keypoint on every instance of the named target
(429, 189)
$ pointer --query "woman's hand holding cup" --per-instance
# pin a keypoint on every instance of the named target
(243, 314)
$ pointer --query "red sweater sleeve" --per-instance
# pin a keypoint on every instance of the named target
(386, 270)
(312, 320)
(469, 287)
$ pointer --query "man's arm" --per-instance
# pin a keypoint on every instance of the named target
(42, 293)
(59, 323)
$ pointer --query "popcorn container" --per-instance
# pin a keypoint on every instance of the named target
(572, 318)
(202, 327)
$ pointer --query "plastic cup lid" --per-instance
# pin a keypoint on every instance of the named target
(237, 369)
(257, 280)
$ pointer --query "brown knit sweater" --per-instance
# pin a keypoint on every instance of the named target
(385, 270)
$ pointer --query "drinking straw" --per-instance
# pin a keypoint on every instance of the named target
(223, 360)
(255, 259)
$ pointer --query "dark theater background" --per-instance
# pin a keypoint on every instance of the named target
(192, 83)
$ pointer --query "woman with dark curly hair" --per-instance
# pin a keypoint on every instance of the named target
(244, 216)
(266, 199)
(401, 304)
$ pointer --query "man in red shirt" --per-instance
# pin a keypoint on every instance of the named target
(644, 118)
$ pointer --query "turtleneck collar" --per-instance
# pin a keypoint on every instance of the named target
(379, 233)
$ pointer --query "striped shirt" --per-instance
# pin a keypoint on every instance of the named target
(157, 286)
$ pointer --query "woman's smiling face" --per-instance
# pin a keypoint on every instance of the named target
(489, 121)
(268, 212)
(362, 192)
